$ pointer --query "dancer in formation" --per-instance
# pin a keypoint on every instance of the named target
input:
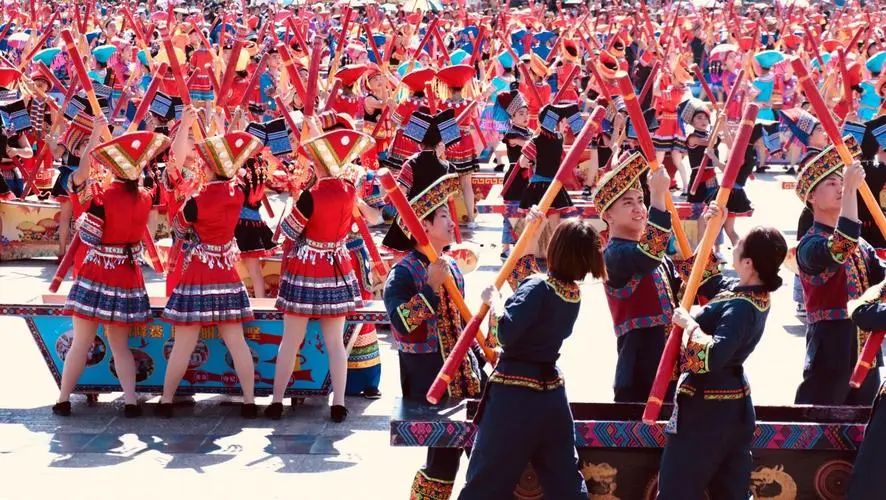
(426, 324)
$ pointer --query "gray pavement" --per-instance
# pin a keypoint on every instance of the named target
(208, 451)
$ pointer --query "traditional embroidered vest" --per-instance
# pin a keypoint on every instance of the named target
(643, 302)
(827, 293)
(424, 338)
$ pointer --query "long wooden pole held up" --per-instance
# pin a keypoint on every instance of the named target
(830, 127)
(407, 214)
(458, 352)
(672, 347)
(645, 140)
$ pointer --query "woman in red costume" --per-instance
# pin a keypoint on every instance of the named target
(462, 156)
(402, 147)
(538, 70)
(347, 101)
(374, 103)
(318, 279)
(670, 137)
(210, 292)
(109, 289)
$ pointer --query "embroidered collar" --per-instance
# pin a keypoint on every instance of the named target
(568, 291)
(756, 295)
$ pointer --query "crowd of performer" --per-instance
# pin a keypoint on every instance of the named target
(200, 114)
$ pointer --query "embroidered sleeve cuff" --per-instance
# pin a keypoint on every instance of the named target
(844, 240)
(696, 355)
(91, 229)
(293, 225)
(492, 341)
(654, 242)
(414, 312)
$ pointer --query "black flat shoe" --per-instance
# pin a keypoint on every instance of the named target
(338, 413)
(132, 411)
(274, 411)
(164, 410)
(249, 410)
(372, 393)
(62, 409)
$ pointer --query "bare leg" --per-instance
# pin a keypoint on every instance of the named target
(253, 266)
(762, 153)
(75, 360)
(729, 227)
(333, 329)
(294, 328)
(681, 169)
(64, 225)
(232, 334)
(124, 363)
(467, 191)
(185, 341)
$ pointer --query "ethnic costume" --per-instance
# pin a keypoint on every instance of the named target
(109, 287)
(544, 152)
(423, 169)
(15, 123)
(536, 65)
(426, 324)
(708, 185)
(210, 291)
(870, 100)
(462, 154)
(402, 147)
(347, 101)
(711, 428)
(640, 287)
(868, 481)
(364, 361)
(514, 138)
(318, 279)
(669, 135)
(739, 204)
(254, 238)
(524, 416)
(835, 266)
(873, 141)
(764, 85)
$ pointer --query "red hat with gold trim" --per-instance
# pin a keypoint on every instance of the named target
(126, 156)
(831, 44)
(416, 79)
(618, 45)
(332, 119)
(225, 154)
(336, 149)
(608, 65)
(350, 74)
(792, 41)
(538, 65)
(569, 49)
(9, 77)
(819, 168)
(456, 76)
(620, 180)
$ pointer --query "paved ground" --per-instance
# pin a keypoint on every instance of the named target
(207, 451)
